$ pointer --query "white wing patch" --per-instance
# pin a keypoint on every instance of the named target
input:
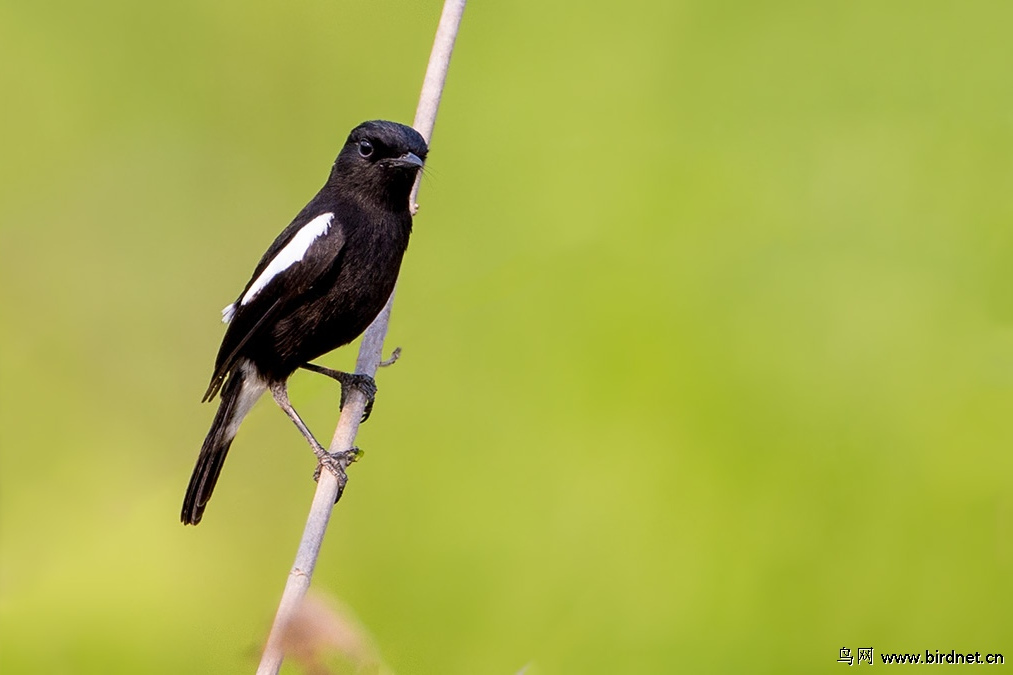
(293, 252)
(228, 312)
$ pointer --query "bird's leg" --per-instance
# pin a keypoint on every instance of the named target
(336, 462)
(364, 383)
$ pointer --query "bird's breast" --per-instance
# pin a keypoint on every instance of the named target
(343, 303)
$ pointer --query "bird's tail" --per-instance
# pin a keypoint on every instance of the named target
(240, 392)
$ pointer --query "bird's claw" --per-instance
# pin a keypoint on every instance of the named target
(336, 463)
(365, 384)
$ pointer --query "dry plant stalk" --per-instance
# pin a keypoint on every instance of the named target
(370, 355)
(323, 630)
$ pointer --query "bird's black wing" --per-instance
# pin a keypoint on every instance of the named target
(305, 252)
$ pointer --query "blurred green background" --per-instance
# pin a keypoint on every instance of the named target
(707, 327)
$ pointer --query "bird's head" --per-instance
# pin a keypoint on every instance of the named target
(380, 161)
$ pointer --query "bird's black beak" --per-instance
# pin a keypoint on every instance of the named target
(409, 159)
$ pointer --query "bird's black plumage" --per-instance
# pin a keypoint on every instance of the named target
(318, 286)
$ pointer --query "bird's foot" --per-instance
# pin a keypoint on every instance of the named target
(365, 384)
(337, 463)
(349, 381)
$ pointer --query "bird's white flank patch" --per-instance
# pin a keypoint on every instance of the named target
(228, 312)
(293, 252)
(253, 386)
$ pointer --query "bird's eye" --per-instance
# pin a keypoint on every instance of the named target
(365, 148)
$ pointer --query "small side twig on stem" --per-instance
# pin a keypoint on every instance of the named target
(370, 356)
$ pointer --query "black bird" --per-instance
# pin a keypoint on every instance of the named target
(320, 284)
